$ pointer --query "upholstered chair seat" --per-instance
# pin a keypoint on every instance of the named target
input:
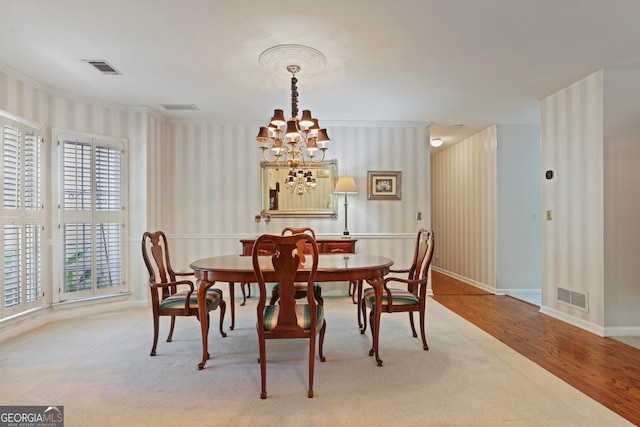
(303, 316)
(398, 297)
(177, 300)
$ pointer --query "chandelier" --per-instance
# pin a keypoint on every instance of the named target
(296, 142)
(298, 181)
(293, 142)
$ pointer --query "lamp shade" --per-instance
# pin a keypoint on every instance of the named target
(263, 135)
(346, 185)
(278, 118)
(312, 147)
(322, 136)
(306, 119)
(292, 129)
(313, 130)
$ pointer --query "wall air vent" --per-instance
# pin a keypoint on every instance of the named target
(574, 299)
(103, 66)
(180, 107)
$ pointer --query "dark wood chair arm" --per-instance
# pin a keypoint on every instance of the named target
(411, 287)
(176, 283)
(184, 273)
(406, 270)
(409, 282)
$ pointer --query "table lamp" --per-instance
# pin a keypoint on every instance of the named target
(346, 185)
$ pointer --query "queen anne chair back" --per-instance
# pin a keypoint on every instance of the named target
(301, 290)
(287, 318)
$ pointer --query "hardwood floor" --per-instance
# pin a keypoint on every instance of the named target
(604, 369)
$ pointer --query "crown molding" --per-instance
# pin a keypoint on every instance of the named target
(325, 123)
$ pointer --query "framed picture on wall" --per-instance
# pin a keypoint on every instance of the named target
(383, 185)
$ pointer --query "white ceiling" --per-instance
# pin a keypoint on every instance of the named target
(445, 62)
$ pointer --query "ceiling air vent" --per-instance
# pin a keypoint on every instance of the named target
(182, 107)
(103, 66)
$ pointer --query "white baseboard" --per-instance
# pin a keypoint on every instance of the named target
(582, 324)
(622, 331)
(530, 295)
(487, 288)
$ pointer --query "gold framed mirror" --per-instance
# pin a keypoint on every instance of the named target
(278, 199)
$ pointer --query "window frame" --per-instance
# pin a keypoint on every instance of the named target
(28, 217)
(92, 216)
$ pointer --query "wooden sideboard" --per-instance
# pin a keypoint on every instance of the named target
(325, 246)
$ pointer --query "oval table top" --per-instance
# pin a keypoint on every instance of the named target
(331, 267)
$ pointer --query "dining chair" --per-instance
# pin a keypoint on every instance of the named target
(170, 296)
(410, 273)
(301, 288)
(287, 318)
(409, 298)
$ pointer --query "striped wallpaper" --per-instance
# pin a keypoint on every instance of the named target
(22, 99)
(572, 241)
(211, 188)
(463, 196)
(590, 139)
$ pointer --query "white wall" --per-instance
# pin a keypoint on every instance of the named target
(519, 246)
(622, 201)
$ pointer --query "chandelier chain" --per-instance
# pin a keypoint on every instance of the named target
(294, 97)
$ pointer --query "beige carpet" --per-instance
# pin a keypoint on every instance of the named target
(100, 370)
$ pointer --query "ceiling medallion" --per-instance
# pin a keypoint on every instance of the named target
(276, 59)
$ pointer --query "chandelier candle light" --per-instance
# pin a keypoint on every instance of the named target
(294, 142)
(345, 185)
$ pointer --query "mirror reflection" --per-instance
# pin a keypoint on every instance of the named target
(303, 191)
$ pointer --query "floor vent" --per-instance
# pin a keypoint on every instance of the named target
(574, 299)
(180, 107)
(103, 66)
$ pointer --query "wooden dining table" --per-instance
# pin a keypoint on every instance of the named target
(331, 268)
